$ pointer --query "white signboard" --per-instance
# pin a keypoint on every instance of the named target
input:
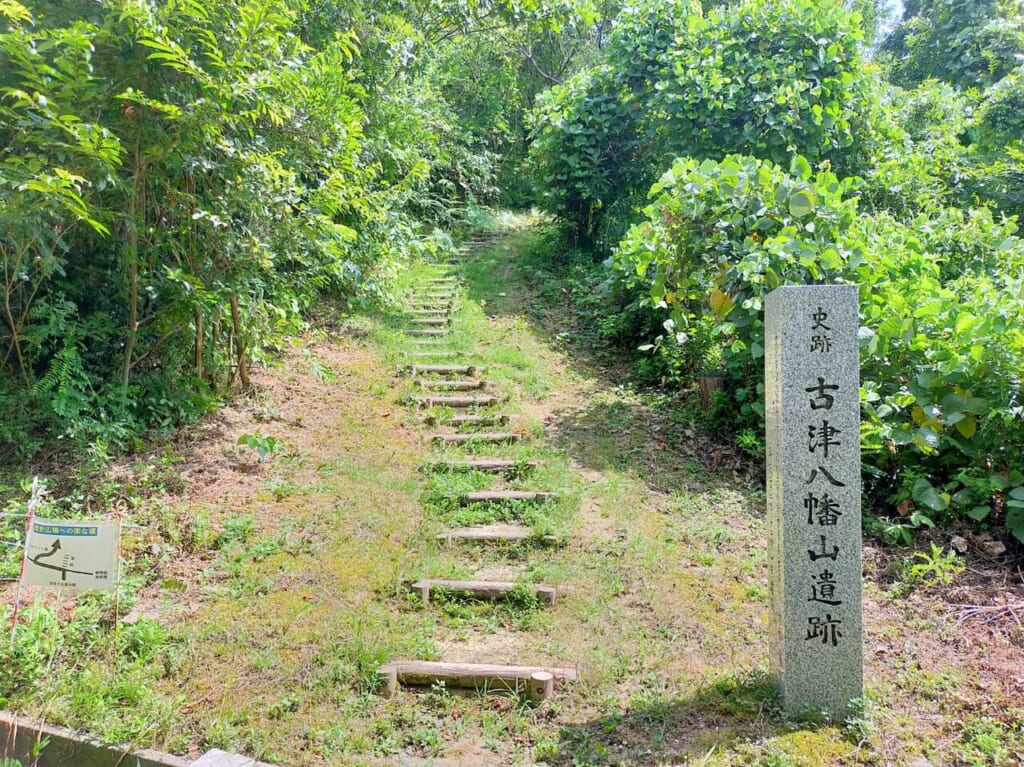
(73, 556)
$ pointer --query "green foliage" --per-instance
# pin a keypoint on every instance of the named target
(934, 568)
(959, 149)
(963, 43)
(185, 183)
(896, 531)
(921, 170)
(988, 740)
(1000, 118)
(768, 79)
(942, 422)
(263, 445)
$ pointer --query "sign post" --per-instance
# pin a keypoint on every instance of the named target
(812, 412)
(71, 556)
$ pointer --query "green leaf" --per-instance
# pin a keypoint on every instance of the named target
(979, 512)
(967, 426)
(801, 203)
(965, 322)
(800, 168)
(924, 493)
(1015, 523)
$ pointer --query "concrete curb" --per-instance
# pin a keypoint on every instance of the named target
(20, 736)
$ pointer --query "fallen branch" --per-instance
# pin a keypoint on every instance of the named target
(990, 613)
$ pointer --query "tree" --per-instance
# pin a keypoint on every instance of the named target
(968, 43)
(771, 79)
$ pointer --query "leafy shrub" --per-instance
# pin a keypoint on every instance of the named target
(942, 312)
(1000, 119)
(959, 149)
(995, 170)
(763, 78)
(963, 43)
(919, 170)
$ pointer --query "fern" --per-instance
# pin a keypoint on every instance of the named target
(68, 385)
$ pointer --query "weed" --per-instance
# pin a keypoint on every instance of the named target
(280, 488)
(987, 742)
(223, 734)
(522, 598)
(263, 445)
(897, 531)
(286, 705)
(36, 640)
(439, 699)
(858, 729)
(267, 413)
(651, 704)
(323, 373)
(756, 591)
(384, 742)
(751, 443)
(931, 569)
(261, 550)
(158, 474)
(237, 529)
(143, 639)
(426, 739)
(545, 750)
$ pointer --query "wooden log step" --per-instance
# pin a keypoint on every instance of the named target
(481, 589)
(493, 438)
(537, 682)
(428, 312)
(442, 280)
(448, 384)
(430, 321)
(445, 370)
(468, 420)
(456, 402)
(496, 496)
(426, 332)
(436, 296)
(487, 533)
(496, 533)
(443, 353)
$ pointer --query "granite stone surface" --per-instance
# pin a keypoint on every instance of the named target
(812, 410)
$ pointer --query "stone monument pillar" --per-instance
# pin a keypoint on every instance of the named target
(812, 411)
